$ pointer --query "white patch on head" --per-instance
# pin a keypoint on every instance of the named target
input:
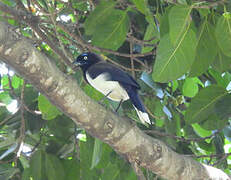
(143, 116)
(85, 58)
(105, 86)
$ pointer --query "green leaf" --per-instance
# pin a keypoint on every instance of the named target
(111, 32)
(213, 122)
(5, 98)
(190, 87)
(5, 82)
(164, 23)
(72, 169)
(222, 62)
(7, 172)
(223, 34)
(93, 93)
(174, 85)
(26, 174)
(141, 5)
(97, 153)
(174, 61)
(37, 169)
(203, 103)
(218, 77)
(206, 50)
(156, 108)
(223, 107)
(95, 19)
(179, 21)
(54, 168)
(48, 110)
(86, 152)
(16, 81)
(200, 131)
(106, 156)
(111, 171)
(149, 34)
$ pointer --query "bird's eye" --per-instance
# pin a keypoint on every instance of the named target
(85, 57)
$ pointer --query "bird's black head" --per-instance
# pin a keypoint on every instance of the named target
(85, 60)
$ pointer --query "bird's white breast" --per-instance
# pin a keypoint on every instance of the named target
(104, 85)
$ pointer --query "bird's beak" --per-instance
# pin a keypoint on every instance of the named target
(76, 63)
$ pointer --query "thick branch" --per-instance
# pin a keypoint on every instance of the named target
(118, 132)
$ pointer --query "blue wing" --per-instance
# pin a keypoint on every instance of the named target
(115, 74)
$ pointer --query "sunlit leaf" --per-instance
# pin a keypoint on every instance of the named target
(101, 12)
(223, 34)
(111, 32)
(174, 61)
(179, 20)
(48, 110)
(190, 87)
(200, 131)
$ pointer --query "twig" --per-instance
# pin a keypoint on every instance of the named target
(211, 155)
(121, 66)
(18, 150)
(8, 118)
(158, 133)
(132, 59)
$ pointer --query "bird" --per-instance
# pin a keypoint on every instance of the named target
(113, 82)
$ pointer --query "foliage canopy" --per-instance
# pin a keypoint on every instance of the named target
(180, 53)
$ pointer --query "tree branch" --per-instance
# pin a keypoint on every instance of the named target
(118, 132)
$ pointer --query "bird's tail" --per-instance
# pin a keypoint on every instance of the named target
(139, 106)
(143, 116)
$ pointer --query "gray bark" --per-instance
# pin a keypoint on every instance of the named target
(122, 135)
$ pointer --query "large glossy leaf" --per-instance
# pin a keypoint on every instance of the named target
(111, 32)
(48, 110)
(179, 20)
(54, 168)
(203, 103)
(206, 49)
(223, 34)
(101, 12)
(174, 61)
